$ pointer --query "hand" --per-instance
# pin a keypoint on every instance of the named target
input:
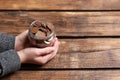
(21, 41)
(38, 55)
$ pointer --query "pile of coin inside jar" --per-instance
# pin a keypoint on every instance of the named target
(41, 33)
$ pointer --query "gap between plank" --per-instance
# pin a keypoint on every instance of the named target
(67, 69)
(60, 10)
(78, 37)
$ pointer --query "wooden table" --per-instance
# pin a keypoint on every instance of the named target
(89, 32)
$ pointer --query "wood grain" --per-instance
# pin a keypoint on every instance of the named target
(66, 23)
(87, 45)
(65, 75)
(59, 5)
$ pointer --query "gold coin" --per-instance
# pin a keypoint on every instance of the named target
(34, 29)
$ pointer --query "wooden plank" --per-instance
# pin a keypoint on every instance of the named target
(59, 5)
(66, 23)
(85, 53)
(65, 75)
(87, 45)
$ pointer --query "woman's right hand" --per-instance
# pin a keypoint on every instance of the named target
(38, 55)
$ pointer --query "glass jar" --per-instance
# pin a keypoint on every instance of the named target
(41, 34)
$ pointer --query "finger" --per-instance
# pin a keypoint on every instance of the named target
(45, 51)
(44, 59)
(52, 42)
(25, 33)
(56, 45)
(23, 36)
(52, 54)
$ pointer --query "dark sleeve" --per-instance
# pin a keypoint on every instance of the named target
(7, 42)
(9, 59)
(9, 62)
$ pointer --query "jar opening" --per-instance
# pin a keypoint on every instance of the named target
(40, 30)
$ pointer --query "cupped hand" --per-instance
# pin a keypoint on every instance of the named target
(22, 41)
(38, 55)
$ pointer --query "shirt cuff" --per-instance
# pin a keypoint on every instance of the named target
(7, 42)
(10, 62)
